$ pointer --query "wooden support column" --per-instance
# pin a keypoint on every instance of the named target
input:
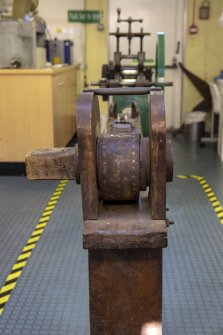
(125, 291)
(125, 270)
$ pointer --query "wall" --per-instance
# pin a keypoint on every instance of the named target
(96, 41)
(56, 11)
(96, 45)
(204, 51)
(55, 15)
(90, 51)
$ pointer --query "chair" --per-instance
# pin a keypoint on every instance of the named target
(216, 109)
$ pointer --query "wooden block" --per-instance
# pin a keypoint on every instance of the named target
(88, 131)
(157, 156)
(56, 163)
(125, 226)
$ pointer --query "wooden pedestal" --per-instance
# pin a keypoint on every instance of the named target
(125, 270)
(125, 291)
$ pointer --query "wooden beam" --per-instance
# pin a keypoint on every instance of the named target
(56, 163)
(123, 227)
(157, 193)
(88, 131)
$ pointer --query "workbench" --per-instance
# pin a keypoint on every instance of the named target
(37, 110)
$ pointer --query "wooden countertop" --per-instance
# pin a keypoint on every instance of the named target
(54, 70)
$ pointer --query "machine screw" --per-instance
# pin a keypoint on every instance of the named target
(168, 222)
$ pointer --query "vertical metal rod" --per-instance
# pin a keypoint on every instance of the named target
(129, 46)
(130, 33)
(141, 41)
(117, 40)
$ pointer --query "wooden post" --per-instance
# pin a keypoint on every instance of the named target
(125, 291)
(125, 270)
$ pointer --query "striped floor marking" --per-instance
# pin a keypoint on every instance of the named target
(217, 206)
(23, 258)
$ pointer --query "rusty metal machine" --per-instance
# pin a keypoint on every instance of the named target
(135, 73)
(115, 73)
(131, 70)
(123, 179)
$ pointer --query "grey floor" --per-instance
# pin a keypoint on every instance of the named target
(51, 296)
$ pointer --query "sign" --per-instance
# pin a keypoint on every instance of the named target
(84, 16)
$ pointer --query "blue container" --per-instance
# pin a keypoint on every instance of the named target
(60, 50)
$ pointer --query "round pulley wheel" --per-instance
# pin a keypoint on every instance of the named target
(118, 166)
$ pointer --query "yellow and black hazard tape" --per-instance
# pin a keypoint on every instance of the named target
(217, 206)
(21, 261)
